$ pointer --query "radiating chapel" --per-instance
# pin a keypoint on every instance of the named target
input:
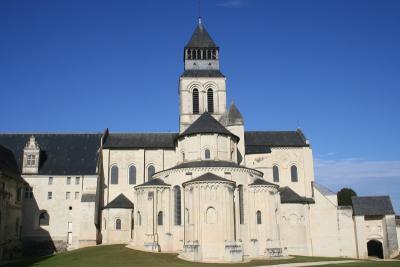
(212, 192)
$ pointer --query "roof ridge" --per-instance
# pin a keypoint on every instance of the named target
(48, 133)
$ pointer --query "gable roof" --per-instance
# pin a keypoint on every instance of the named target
(201, 38)
(120, 202)
(259, 181)
(206, 123)
(8, 164)
(275, 138)
(209, 177)
(289, 196)
(232, 116)
(372, 205)
(154, 182)
(140, 140)
(60, 153)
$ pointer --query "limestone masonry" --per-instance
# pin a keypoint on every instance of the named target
(212, 192)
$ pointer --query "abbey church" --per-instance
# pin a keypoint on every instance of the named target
(212, 192)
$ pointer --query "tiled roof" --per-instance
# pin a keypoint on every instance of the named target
(232, 116)
(202, 73)
(275, 138)
(60, 153)
(120, 202)
(212, 164)
(372, 205)
(154, 182)
(263, 182)
(206, 123)
(290, 196)
(200, 38)
(209, 177)
(8, 164)
(140, 140)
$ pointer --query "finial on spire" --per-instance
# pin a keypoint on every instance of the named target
(199, 12)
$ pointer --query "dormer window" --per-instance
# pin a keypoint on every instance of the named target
(31, 156)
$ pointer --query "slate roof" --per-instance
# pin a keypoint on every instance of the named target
(289, 196)
(210, 163)
(397, 218)
(323, 190)
(206, 123)
(209, 177)
(202, 73)
(275, 138)
(154, 182)
(88, 197)
(8, 164)
(259, 181)
(232, 116)
(200, 38)
(372, 205)
(61, 153)
(120, 202)
(140, 140)
(257, 150)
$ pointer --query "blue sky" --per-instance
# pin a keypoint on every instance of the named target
(331, 68)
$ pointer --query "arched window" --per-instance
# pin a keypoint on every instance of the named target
(177, 205)
(195, 96)
(258, 215)
(232, 154)
(207, 154)
(118, 224)
(183, 156)
(293, 171)
(150, 171)
(275, 171)
(241, 206)
(132, 174)
(211, 216)
(139, 218)
(114, 175)
(160, 218)
(44, 219)
(210, 100)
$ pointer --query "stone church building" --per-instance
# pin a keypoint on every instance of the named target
(212, 192)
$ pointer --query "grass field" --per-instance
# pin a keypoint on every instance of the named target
(120, 256)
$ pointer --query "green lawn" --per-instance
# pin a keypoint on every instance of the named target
(120, 256)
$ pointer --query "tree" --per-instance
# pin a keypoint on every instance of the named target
(344, 196)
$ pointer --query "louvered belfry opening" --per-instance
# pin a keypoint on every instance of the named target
(210, 100)
(195, 101)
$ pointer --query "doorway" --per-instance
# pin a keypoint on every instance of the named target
(375, 249)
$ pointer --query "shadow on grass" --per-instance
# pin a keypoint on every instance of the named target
(120, 256)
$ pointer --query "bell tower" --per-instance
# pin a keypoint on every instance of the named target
(202, 87)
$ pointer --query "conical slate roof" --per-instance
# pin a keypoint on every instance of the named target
(154, 182)
(209, 177)
(120, 202)
(201, 38)
(263, 182)
(207, 124)
(232, 116)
